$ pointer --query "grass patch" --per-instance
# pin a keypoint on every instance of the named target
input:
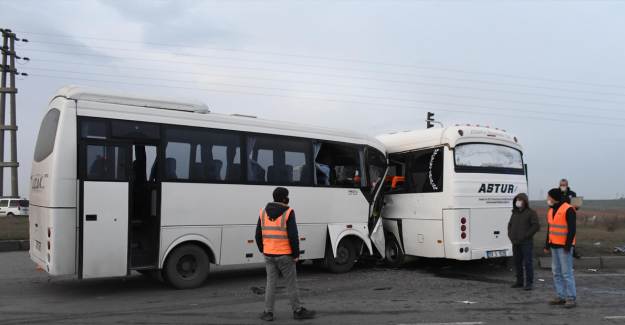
(13, 228)
(600, 227)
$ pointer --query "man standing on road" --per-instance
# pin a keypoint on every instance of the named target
(565, 190)
(561, 223)
(522, 227)
(277, 238)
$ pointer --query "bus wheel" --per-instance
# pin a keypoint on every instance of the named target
(186, 267)
(394, 254)
(345, 257)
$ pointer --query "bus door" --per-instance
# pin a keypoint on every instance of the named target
(104, 209)
(144, 205)
(376, 174)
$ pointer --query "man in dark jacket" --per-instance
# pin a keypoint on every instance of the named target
(277, 238)
(561, 223)
(522, 227)
(565, 190)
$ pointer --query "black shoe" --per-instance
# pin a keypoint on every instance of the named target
(516, 285)
(303, 313)
(528, 288)
(266, 316)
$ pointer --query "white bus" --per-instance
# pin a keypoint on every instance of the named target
(451, 192)
(122, 183)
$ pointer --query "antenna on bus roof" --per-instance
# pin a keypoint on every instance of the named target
(430, 120)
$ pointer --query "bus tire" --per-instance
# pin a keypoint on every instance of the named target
(186, 267)
(345, 257)
(10, 214)
(395, 256)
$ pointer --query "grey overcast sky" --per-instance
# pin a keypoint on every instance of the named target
(550, 72)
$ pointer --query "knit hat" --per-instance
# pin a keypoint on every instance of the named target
(280, 194)
(555, 194)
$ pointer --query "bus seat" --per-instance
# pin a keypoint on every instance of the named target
(280, 174)
(233, 172)
(213, 170)
(170, 168)
(257, 172)
(305, 175)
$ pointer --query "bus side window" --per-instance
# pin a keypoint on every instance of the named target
(338, 165)
(424, 171)
(278, 160)
(106, 163)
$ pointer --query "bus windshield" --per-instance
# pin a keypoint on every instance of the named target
(488, 158)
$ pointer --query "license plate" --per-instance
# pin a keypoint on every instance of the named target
(38, 245)
(493, 254)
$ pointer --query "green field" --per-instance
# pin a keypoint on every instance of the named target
(13, 228)
(600, 226)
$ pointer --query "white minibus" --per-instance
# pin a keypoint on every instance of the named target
(451, 192)
(121, 183)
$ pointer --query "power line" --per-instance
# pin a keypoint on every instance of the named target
(336, 100)
(353, 60)
(488, 82)
(325, 93)
(337, 85)
(337, 76)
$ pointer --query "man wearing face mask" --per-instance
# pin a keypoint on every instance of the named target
(561, 221)
(567, 193)
(278, 239)
(522, 227)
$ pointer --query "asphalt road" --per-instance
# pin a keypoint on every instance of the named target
(425, 292)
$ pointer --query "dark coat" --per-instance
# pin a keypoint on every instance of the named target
(523, 224)
(274, 210)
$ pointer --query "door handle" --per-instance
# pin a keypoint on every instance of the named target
(91, 217)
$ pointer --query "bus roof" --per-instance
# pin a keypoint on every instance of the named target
(451, 136)
(195, 113)
(114, 97)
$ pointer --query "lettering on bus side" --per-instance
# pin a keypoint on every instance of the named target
(497, 188)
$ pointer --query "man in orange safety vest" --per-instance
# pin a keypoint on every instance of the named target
(277, 238)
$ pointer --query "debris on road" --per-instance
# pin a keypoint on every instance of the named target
(619, 249)
(258, 291)
(382, 288)
(467, 302)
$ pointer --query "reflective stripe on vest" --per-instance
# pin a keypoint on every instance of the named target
(275, 234)
(558, 228)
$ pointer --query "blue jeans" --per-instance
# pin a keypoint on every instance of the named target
(562, 268)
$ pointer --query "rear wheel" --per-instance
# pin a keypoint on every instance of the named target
(10, 214)
(186, 267)
(345, 257)
(394, 254)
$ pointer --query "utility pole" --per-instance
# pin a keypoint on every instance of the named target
(3, 87)
(9, 54)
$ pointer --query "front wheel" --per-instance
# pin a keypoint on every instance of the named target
(345, 257)
(186, 267)
(394, 254)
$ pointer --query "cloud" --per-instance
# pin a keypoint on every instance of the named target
(172, 22)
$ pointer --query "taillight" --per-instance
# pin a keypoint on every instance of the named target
(463, 228)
